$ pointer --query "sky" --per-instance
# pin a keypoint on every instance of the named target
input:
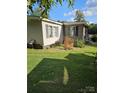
(64, 13)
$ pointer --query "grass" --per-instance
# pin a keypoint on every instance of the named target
(62, 71)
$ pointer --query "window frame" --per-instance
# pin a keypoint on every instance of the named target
(49, 31)
(56, 32)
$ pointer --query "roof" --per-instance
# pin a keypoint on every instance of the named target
(74, 23)
(54, 22)
(43, 19)
(33, 18)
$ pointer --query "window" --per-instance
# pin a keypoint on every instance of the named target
(56, 31)
(52, 31)
(49, 32)
(72, 30)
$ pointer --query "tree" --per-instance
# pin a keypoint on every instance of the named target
(37, 12)
(79, 16)
(45, 5)
(92, 28)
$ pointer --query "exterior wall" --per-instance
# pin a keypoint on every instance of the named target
(81, 31)
(84, 31)
(86, 34)
(67, 30)
(34, 31)
(54, 39)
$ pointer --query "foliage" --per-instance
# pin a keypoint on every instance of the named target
(68, 42)
(37, 12)
(79, 16)
(79, 43)
(92, 29)
(94, 38)
(45, 5)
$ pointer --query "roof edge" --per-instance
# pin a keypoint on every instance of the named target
(43, 19)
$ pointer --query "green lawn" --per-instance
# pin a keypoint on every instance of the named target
(56, 70)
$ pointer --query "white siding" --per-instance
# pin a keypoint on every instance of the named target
(54, 38)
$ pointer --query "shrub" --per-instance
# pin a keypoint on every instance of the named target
(94, 38)
(68, 42)
(79, 43)
(57, 43)
(37, 46)
(86, 42)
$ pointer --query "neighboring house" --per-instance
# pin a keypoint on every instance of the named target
(47, 32)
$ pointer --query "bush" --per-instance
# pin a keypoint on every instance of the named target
(79, 43)
(37, 46)
(68, 42)
(86, 42)
(34, 44)
(57, 43)
(94, 38)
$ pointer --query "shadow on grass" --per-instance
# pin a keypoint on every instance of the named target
(91, 53)
(63, 76)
